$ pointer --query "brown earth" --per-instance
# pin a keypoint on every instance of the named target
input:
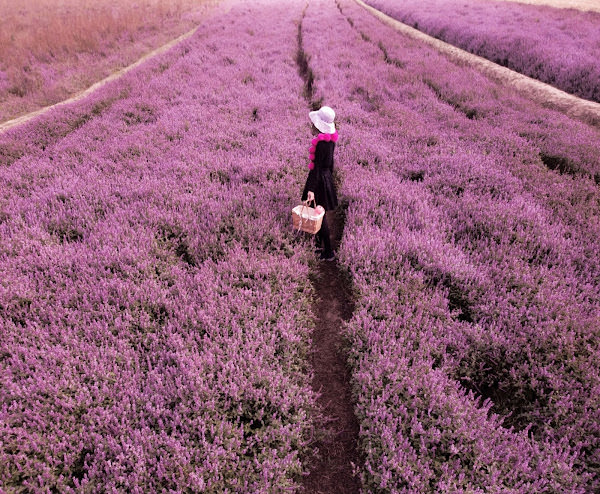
(331, 469)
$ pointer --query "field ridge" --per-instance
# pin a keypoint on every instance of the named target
(545, 94)
(9, 124)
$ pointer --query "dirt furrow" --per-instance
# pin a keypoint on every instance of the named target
(331, 468)
(331, 471)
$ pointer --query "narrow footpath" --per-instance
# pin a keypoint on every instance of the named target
(331, 469)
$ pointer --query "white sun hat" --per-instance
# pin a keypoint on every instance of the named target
(323, 119)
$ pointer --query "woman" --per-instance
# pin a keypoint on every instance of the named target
(319, 183)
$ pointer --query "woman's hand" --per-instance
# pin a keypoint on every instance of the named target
(310, 196)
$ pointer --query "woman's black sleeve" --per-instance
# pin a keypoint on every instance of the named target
(321, 155)
(313, 175)
(311, 180)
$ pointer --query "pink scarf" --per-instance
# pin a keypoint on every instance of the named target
(313, 146)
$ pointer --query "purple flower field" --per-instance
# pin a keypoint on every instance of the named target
(156, 306)
(557, 46)
(154, 303)
(474, 344)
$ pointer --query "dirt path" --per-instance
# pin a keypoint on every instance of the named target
(331, 472)
(79, 96)
(584, 5)
(331, 469)
(549, 96)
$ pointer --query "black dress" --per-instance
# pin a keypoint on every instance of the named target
(320, 178)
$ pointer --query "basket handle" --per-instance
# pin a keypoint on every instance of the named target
(307, 203)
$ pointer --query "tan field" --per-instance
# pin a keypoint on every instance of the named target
(50, 49)
(47, 28)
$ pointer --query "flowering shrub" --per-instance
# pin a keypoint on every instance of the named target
(155, 308)
(474, 344)
(556, 46)
(154, 303)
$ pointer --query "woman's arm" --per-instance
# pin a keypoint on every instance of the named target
(311, 184)
(321, 156)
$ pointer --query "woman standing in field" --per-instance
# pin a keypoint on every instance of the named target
(319, 183)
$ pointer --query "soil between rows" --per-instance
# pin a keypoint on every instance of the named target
(331, 470)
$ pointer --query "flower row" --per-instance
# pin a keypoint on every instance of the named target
(474, 343)
(154, 301)
(556, 46)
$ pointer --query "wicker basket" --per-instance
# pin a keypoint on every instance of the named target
(306, 219)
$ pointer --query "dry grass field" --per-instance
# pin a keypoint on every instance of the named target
(52, 48)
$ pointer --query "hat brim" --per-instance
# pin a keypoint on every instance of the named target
(325, 127)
